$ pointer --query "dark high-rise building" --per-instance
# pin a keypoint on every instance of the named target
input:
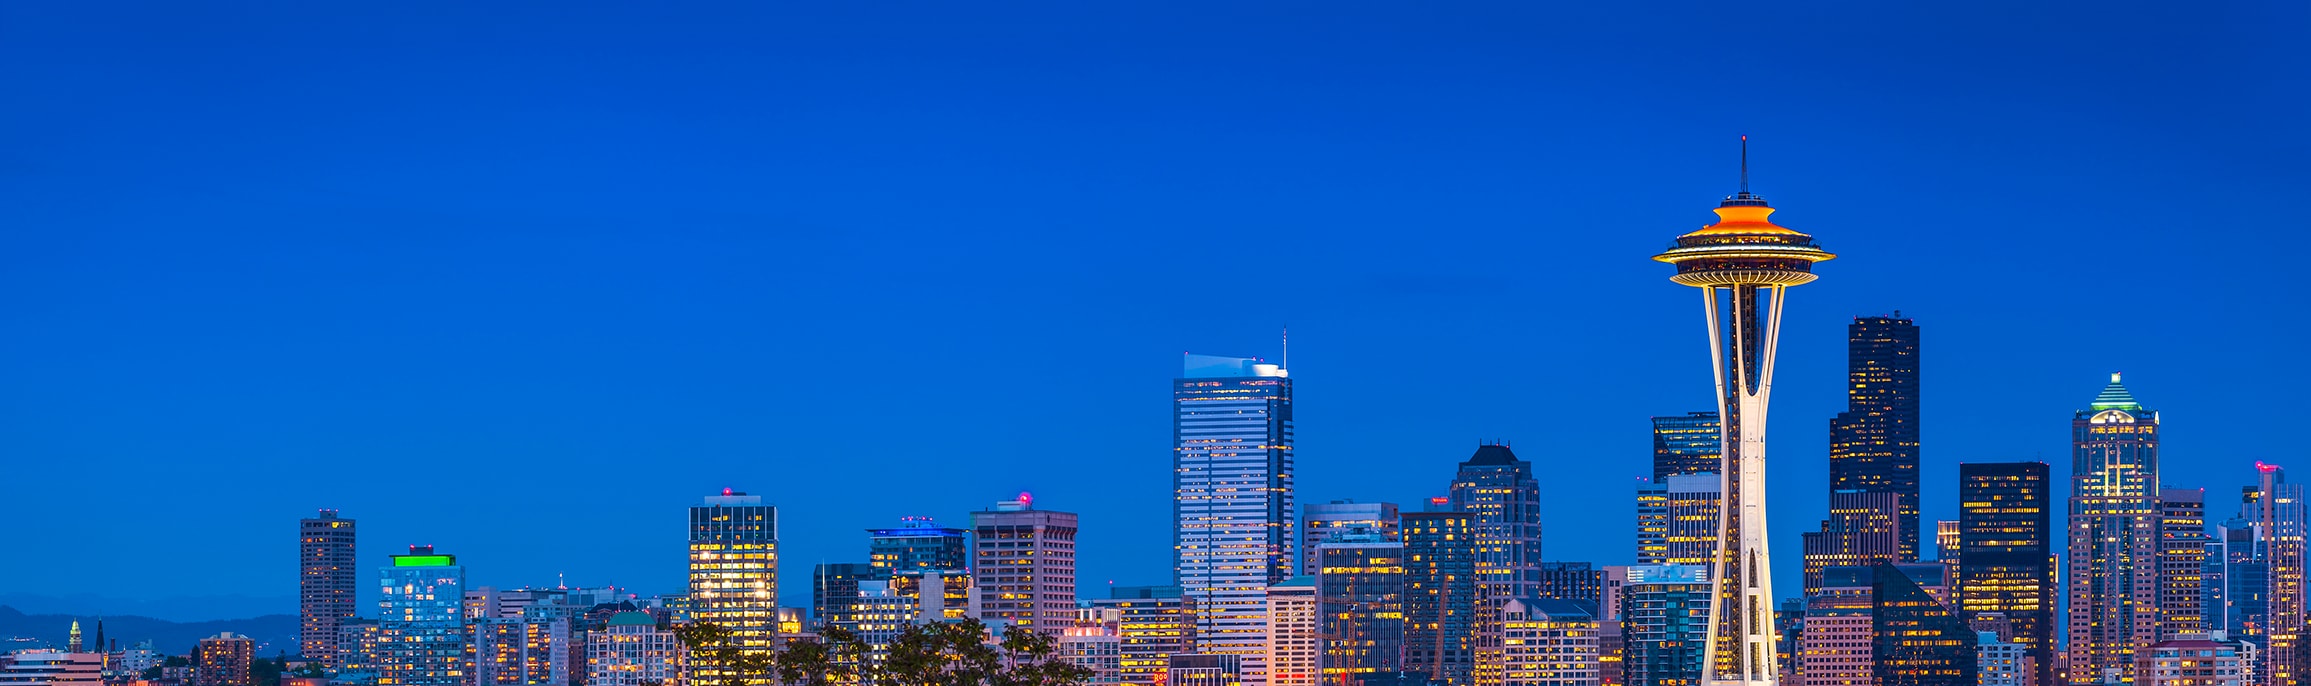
(1687, 444)
(2005, 554)
(834, 590)
(1664, 624)
(1506, 498)
(1874, 443)
(1579, 581)
(1361, 601)
(918, 544)
(1440, 596)
(1915, 639)
(325, 584)
(1232, 505)
(2182, 562)
(2112, 585)
(1864, 529)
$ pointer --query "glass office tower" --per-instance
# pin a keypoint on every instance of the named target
(1232, 498)
(2006, 555)
(1874, 443)
(734, 569)
(421, 625)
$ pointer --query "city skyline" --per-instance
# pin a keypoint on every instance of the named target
(620, 335)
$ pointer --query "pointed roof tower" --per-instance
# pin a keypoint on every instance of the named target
(2115, 397)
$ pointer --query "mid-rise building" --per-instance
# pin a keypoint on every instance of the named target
(1874, 443)
(1917, 637)
(918, 543)
(421, 625)
(1834, 643)
(2182, 562)
(2000, 662)
(1677, 519)
(51, 668)
(1025, 568)
(734, 570)
(1233, 506)
(1547, 642)
(2005, 555)
(2191, 661)
(1864, 529)
(1687, 444)
(2112, 586)
(833, 587)
(1155, 623)
(1094, 642)
(1204, 669)
(1440, 596)
(357, 646)
(1295, 634)
(1664, 624)
(633, 651)
(1572, 581)
(1321, 521)
(224, 660)
(326, 583)
(521, 651)
(1361, 588)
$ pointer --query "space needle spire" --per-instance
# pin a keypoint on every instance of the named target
(1743, 265)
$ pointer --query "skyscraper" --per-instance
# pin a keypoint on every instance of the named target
(2114, 536)
(1232, 497)
(734, 569)
(421, 626)
(1677, 519)
(1361, 596)
(1864, 529)
(1319, 521)
(1687, 444)
(1026, 565)
(2005, 554)
(1502, 493)
(2182, 562)
(1440, 596)
(834, 587)
(1917, 639)
(1744, 265)
(1874, 443)
(325, 583)
(2282, 526)
(1155, 624)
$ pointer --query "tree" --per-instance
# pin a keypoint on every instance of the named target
(933, 654)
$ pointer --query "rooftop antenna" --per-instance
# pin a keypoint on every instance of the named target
(1745, 166)
(1286, 361)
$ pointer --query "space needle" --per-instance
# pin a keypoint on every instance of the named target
(1742, 264)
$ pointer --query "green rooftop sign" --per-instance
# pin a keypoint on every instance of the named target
(424, 560)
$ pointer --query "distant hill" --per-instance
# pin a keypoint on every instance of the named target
(274, 634)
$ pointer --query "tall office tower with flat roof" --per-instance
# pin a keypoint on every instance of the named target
(325, 583)
(1864, 529)
(1234, 533)
(1319, 521)
(1677, 519)
(1361, 597)
(2005, 555)
(2112, 587)
(2182, 562)
(734, 570)
(422, 625)
(1687, 444)
(1744, 265)
(1874, 443)
(1440, 596)
(1026, 565)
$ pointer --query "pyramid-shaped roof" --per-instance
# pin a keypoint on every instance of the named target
(2115, 397)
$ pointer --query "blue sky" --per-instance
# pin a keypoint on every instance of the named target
(525, 282)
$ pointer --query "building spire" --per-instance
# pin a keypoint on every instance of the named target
(1745, 166)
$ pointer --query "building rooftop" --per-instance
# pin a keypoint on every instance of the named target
(633, 619)
(1196, 366)
(2115, 397)
(1492, 456)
